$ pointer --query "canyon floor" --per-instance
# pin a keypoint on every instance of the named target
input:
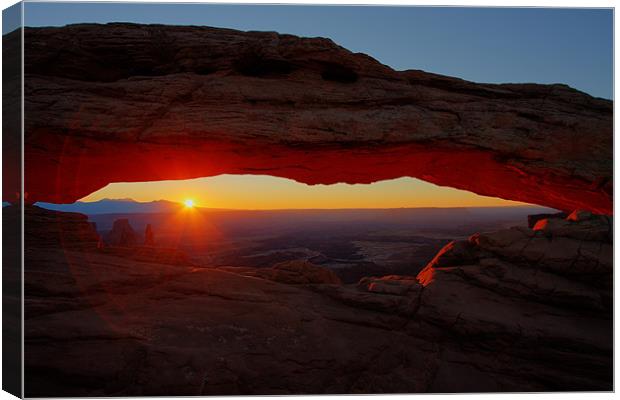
(519, 309)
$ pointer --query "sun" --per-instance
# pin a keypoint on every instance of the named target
(189, 203)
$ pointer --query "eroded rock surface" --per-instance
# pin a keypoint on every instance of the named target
(186, 102)
(534, 298)
(513, 310)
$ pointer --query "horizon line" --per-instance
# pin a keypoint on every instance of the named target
(197, 207)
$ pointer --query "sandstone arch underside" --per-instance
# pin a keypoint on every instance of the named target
(126, 102)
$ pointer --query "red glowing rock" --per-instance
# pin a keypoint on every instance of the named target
(125, 102)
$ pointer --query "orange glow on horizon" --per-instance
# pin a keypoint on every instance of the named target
(263, 192)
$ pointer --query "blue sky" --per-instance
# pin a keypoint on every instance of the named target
(571, 46)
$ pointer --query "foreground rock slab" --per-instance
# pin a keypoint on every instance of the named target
(531, 297)
(496, 312)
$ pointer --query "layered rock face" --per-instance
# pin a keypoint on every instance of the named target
(531, 298)
(186, 102)
(513, 310)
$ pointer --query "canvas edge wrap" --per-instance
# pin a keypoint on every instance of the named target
(12, 221)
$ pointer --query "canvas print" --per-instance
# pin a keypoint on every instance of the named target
(284, 200)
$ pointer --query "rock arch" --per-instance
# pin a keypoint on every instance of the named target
(126, 102)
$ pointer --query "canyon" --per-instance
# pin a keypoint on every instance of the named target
(520, 309)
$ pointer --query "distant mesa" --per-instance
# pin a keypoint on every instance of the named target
(114, 206)
(149, 236)
(122, 234)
